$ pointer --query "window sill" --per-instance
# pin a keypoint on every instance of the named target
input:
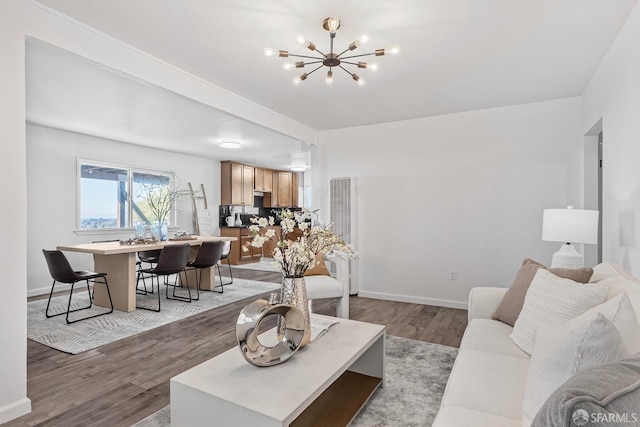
(113, 231)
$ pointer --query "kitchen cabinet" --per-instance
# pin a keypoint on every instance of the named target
(284, 193)
(270, 245)
(263, 180)
(237, 255)
(236, 184)
(239, 181)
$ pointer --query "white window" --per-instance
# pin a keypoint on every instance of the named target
(116, 196)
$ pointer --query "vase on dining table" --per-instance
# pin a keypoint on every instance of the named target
(294, 292)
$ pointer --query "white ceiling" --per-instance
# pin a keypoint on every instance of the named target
(457, 55)
(67, 91)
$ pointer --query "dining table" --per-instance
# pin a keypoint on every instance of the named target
(118, 260)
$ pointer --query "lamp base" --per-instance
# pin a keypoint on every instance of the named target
(567, 257)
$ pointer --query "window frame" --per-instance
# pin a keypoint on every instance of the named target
(130, 172)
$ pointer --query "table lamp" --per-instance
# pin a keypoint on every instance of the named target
(569, 226)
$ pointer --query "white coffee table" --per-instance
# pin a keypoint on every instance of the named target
(326, 383)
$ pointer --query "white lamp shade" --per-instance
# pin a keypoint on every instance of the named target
(570, 226)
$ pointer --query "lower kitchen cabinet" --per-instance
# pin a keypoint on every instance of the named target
(243, 236)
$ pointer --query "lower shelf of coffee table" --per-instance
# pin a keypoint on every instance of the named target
(340, 403)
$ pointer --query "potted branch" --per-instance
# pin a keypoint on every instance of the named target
(160, 196)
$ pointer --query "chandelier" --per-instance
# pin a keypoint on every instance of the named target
(331, 59)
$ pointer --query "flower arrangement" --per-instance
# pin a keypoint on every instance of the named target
(301, 240)
(160, 195)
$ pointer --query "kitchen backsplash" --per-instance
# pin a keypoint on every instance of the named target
(247, 212)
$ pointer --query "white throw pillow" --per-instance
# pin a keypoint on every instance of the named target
(617, 278)
(551, 300)
(562, 350)
(620, 311)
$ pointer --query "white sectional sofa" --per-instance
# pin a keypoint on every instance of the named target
(487, 385)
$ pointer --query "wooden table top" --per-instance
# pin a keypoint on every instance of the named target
(113, 248)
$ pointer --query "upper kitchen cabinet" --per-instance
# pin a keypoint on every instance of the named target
(239, 181)
(285, 190)
(236, 184)
(263, 180)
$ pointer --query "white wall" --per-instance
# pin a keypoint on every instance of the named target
(13, 213)
(52, 200)
(613, 95)
(460, 192)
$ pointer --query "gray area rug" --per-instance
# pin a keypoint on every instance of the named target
(416, 375)
(88, 334)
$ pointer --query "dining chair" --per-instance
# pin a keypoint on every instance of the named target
(226, 250)
(208, 256)
(172, 260)
(61, 271)
(148, 257)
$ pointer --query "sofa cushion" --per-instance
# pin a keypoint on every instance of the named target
(490, 336)
(323, 287)
(550, 300)
(487, 382)
(511, 305)
(564, 349)
(453, 416)
(617, 278)
(596, 393)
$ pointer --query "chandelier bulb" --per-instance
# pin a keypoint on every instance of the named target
(270, 52)
(329, 77)
(358, 79)
(393, 50)
(373, 66)
(363, 39)
(333, 24)
(288, 65)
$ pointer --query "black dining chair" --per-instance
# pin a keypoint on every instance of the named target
(172, 260)
(61, 271)
(148, 257)
(226, 250)
(208, 256)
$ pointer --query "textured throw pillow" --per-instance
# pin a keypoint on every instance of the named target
(511, 304)
(551, 300)
(319, 268)
(621, 312)
(594, 394)
(561, 350)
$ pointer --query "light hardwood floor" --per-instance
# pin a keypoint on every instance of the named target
(121, 383)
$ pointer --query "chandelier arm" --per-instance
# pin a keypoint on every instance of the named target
(306, 56)
(315, 69)
(321, 53)
(350, 63)
(344, 51)
(345, 70)
(357, 56)
(314, 62)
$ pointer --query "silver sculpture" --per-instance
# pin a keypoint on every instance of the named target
(248, 325)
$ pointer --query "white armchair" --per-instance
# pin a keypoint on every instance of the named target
(319, 287)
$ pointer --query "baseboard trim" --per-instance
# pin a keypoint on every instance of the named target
(417, 300)
(15, 410)
(45, 291)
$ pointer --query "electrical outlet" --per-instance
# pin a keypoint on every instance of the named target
(453, 275)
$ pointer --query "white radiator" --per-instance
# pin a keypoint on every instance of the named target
(343, 211)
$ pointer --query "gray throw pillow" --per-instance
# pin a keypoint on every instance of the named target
(513, 300)
(605, 395)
